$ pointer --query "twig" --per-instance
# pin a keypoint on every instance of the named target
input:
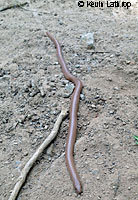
(21, 179)
(13, 6)
(117, 185)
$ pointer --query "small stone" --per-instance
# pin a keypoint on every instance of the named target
(116, 88)
(64, 82)
(52, 80)
(26, 154)
(128, 62)
(49, 158)
(89, 40)
(15, 143)
(82, 97)
(96, 156)
(54, 105)
(109, 79)
(69, 87)
(111, 112)
(93, 106)
(97, 97)
(42, 92)
(85, 149)
(56, 63)
(53, 85)
(45, 127)
(119, 68)
(117, 117)
(77, 66)
(60, 23)
(117, 54)
(32, 83)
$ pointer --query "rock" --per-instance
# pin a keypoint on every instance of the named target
(69, 87)
(26, 153)
(93, 106)
(111, 112)
(64, 82)
(61, 23)
(42, 92)
(116, 88)
(109, 79)
(82, 97)
(88, 39)
(77, 66)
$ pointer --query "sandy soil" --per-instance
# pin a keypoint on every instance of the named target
(33, 90)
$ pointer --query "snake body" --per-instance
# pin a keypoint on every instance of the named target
(73, 117)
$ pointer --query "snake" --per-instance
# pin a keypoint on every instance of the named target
(72, 132)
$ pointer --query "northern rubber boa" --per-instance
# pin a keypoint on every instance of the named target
(73, 117)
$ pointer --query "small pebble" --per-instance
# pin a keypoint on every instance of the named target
(128, 62)
(77, 66)
(26, 154)
(89, 40)
(116, 88)
(93, 106)
(111, 112)
(54, 104)
(32, 83)
(109, 79)
(56, 63)
(117, 54)
(64, 82)
(69, 87)
(82, 97)
(60, 23)
(120, 68)
(97, 96)
(42, 92)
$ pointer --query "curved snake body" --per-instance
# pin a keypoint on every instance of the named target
(73, 117)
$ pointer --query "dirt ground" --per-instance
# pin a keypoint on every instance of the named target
(33, 90)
